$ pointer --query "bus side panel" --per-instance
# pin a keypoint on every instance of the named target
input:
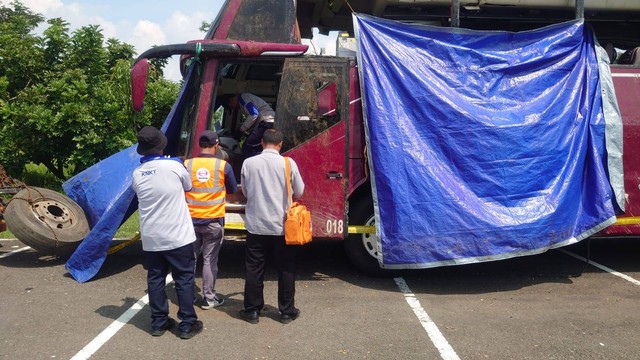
(627, 84)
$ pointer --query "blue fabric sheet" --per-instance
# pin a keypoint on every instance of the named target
(483, 145)
(104, 192)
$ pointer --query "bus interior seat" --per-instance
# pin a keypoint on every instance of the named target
(630, 57)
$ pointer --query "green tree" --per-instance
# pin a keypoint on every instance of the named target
(20, 52)
(65, 98)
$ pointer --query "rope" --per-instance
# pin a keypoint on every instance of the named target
(196, 58)
(349, 5)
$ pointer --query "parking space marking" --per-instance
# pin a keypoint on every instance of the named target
(446, 351)
(115, 326)
(602, 267)
(14, 252)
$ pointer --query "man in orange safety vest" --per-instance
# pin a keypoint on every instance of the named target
(212, 179)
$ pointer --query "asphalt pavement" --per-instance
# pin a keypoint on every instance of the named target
(548, 306)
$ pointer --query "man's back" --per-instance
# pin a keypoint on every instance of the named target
(164, 217)
(212, 179)
(264, 185)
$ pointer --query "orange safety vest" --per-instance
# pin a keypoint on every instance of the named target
(206, 200)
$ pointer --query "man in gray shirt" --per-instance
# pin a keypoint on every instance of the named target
(264, 184)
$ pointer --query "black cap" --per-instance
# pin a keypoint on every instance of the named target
(151, 141)
(208, 139)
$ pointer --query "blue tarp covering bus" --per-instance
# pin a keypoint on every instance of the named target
(104, 192)
(484, 145)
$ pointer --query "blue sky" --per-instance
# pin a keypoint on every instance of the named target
(142, 23)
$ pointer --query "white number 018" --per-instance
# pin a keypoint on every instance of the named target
(335, 226)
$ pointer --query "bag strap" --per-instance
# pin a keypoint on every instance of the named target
(287, 177)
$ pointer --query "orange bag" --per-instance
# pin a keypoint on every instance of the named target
(297, 226)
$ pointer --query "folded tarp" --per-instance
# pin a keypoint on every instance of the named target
(485, 145)
(104, 192)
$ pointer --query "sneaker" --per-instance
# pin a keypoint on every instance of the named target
(208, 304)
(195, 329)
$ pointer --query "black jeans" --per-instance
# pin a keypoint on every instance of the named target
(181, 262)
(258, 249)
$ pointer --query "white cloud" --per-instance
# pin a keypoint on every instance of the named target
(75, 14)
(38, 6)
(183, 27)
(180, 28)
(146, 34)
(109, 29)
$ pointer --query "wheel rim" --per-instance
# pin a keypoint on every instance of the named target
(370, 241)
(54, 214)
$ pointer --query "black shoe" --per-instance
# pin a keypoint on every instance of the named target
(195, 329)
(287, 318)
(170, 324)
(250, 316)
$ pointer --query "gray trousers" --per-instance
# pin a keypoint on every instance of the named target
(208, 243)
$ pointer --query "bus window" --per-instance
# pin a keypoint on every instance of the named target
(309, 101)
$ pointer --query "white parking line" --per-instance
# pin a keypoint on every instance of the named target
(115, 326)
(14, 252)
(602, 267)
(446, 351)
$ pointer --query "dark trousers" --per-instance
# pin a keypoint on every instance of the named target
(258, 249)
(253, 143)
(181, 263)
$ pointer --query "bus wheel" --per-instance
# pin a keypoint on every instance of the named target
(362, 249)
(46, 220)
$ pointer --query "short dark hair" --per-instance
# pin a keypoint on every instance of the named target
(225, 99)
(272, 136)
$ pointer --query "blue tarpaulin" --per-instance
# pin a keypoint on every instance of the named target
(483, 145)
(104, 192)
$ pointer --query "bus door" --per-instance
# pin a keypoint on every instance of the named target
(313, 114)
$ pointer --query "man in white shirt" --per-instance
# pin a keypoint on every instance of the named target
(166, 231)
(264, 185)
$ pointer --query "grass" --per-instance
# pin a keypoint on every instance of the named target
(126, 231)
(130, 227)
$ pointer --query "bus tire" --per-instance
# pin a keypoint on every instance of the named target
(362, 249)
(46, 220)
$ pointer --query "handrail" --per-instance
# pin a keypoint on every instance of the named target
(206, 48)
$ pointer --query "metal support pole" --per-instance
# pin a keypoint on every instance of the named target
(579, 9)
(455, 13)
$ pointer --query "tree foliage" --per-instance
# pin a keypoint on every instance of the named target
(65, 97)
